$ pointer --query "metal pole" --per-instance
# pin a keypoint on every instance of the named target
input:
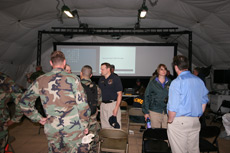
(190, 50)
(39, 48)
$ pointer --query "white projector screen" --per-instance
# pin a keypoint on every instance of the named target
(129, 59)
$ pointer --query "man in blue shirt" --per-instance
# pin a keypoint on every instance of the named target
(187, 102)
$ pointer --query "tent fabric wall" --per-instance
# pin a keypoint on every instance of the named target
(20, 21)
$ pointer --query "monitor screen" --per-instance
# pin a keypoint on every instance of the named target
(222, 76)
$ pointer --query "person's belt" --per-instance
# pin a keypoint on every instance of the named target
(189, 116)
(108, 101)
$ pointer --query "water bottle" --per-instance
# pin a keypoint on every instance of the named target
(148, 123)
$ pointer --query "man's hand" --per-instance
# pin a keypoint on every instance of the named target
(9, 123)
(171, 116)
(86, 131)
(147, 116)
(43, 121)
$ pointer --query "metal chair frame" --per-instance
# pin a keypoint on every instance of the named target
(134, 111)
(155, 141)
(209, 132)
(113, 140)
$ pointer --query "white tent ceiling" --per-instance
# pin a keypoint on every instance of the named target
(21, 19)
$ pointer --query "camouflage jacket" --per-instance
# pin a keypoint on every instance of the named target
(63, 100)
(8, 91)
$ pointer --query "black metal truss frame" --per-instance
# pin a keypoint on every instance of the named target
(114, 31)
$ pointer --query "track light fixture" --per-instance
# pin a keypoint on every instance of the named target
(72, 14)
(142, 12)
(67, 11)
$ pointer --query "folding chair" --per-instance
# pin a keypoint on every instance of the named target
(8, 148)
(40, 127)
(154, 141)
(113, 140)
(124, 106)
(136, 113)
(209, 132)
(223, 109)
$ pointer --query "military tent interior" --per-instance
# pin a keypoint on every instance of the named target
(199, 29)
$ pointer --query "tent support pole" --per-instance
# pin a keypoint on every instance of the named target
(190, 49)
(39, 48)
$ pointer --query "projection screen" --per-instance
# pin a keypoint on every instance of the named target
(130, 59)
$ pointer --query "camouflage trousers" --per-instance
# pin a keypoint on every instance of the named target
(94, 128)
(66, 146)
(65, 138)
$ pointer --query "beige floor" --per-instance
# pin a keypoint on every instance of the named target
(29, 141)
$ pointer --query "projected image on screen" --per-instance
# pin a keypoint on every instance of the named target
(129, 60)
(122, 57)
(78, 57)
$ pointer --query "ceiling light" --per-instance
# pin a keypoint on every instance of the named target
(143, 11)
(67, 11)
(73, 14)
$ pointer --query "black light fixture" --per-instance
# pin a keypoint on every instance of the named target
(137, 25)
(73, 14)
(143, 10)
(81, 25)
(67, 11)
(116, 36)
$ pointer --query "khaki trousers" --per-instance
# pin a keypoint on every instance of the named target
(158, 120)
(183, 135)
(106, 110)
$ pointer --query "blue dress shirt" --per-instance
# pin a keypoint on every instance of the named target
(187, 93)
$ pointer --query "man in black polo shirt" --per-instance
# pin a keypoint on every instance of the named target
(111, 88)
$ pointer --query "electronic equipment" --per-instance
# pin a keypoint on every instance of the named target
(222, 76)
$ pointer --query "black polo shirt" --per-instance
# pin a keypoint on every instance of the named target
(110, 87)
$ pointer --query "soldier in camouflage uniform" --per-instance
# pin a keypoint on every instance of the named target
(64, 102)
(31, 77)
(94, 126)
(8, 91)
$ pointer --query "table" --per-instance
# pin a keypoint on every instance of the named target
(129, 96)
